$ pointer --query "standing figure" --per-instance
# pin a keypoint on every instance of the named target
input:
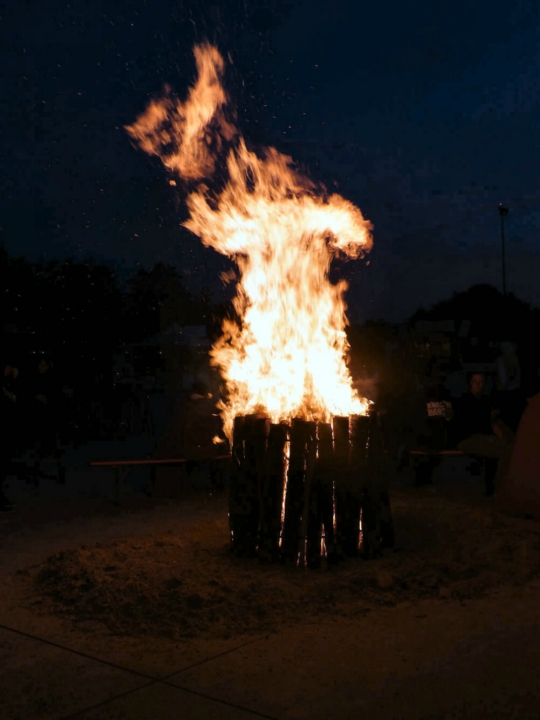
(435, 414)
(202, 438)
(44, 407)
(481, 433)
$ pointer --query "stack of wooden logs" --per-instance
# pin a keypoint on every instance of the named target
(303, 491)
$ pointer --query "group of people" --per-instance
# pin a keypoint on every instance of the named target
(476, 424)
(479, 425)
(29, 414)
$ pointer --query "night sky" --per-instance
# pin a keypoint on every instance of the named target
(426, 115)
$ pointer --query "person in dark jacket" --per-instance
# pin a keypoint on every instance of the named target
(434, 412)
(481, 433)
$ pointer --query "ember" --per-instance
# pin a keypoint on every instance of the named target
(285, 362)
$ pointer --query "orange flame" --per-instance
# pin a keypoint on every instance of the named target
(287, 358)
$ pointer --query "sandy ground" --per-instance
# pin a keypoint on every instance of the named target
(166, 582)
(157, 573)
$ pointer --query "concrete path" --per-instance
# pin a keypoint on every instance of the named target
(419, 662)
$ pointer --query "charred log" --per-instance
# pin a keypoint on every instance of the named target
(248, 451)
(294, 499)
(360, 435)
(237, 500)
(321, 508)
(310, 545)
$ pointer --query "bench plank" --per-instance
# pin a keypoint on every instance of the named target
(151, 461)
(436, 452)
(122, 466)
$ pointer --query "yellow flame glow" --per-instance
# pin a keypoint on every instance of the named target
(287, 358)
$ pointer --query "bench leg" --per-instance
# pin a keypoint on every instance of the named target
(120, 474)
(424, 471)
(117, 481)
(151, 485)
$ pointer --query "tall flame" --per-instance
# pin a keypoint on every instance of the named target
(287, 357)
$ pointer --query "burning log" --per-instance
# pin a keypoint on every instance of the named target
(347, 501)
(360, 425)
(236, 484)
(310, 543)
(301, 433)
(273, 484)
(360, 436)
(248, 450)
(334, 478)
(255, 438)
(371, 532)
(321, 514)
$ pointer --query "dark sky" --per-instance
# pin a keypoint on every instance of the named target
(426, 115)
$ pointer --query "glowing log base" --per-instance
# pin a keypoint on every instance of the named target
(300, 492)
(272, 489)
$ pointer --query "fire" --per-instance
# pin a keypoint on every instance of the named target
(287, 358)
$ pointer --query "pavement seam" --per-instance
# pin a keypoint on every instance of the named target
(153, 680)
(121, 667)
(202, 695)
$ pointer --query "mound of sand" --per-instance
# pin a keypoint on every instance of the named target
(182, 585)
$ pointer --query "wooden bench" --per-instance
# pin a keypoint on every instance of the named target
(436, 452)
(424, 471)
(122, 468)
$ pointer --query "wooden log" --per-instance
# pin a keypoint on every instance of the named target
(371, 539)
(236, 485)
(319, 496)
(247, 456)
(325, 483)
(348, 483)
(310, 546)
(342, 486)
(275, 466)
(255, 439)
(294, 498)
(360, 425)
(359, 434)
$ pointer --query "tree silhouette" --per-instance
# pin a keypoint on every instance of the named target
(492, 314)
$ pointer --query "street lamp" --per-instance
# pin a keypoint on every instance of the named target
(503, 212)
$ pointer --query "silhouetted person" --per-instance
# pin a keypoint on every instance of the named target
(435, 413)
(201, 428)
(439, 411)
(481, 433)
(44, 408)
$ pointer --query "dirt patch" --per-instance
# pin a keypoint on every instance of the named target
(185, 585)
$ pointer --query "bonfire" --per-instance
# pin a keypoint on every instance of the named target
(288, 391)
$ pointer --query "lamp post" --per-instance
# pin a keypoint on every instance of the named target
(503, 212)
